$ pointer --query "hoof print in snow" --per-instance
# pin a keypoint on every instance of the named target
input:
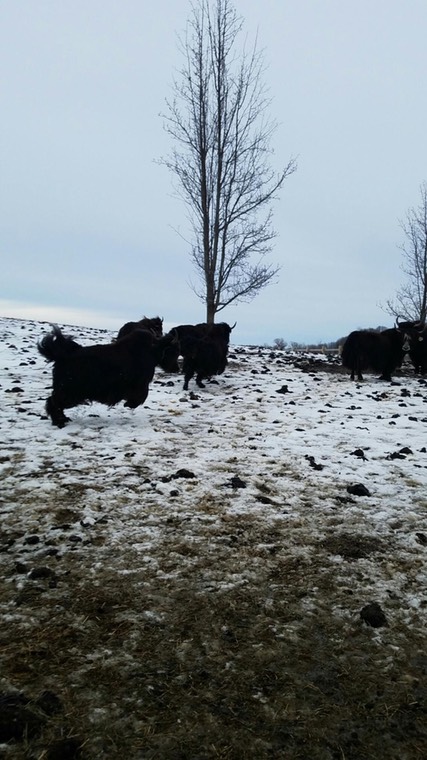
(373, 615)
(358, 489)
(421, 538)
(283, 389)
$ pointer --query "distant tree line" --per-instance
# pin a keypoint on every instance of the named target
(281, 344)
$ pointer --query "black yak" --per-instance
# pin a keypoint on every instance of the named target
(107, 373)
(220, 330)
(204, 348)
(418, 351)
(382, 352)
(152, 324)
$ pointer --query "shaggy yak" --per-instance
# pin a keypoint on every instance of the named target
(418, 350)
(204, 348)
(108, 373)
(382, 352)
(152, 324)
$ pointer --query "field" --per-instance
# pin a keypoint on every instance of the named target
(232, 572)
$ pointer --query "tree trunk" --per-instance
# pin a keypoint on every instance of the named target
(210, 311)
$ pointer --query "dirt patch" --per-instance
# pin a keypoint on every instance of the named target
(352, 545)
(252, 672)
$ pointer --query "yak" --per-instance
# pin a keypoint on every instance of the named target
(107, 373)
(204, 348)
(203, 357)
(418, 351)
(218, 331)
(152, 324)
(382, 352)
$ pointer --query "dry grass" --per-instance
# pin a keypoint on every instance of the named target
(159, 664)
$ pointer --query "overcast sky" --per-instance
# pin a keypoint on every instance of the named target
(89, 220)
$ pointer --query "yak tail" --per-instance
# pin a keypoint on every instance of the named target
(56, 346)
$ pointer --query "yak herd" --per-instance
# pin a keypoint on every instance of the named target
(123, 369)
(383, 352)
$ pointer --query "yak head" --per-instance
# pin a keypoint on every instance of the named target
(222, 330)
(154, 324)
(167, 350)
(411, 330)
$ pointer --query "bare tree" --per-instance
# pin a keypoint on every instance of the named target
(411, 300)
(220, 160)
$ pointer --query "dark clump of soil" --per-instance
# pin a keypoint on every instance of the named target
(373, 615)
(18, 719)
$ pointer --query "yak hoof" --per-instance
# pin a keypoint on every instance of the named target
(60, 423)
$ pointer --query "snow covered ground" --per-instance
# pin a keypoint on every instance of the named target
(187, 579)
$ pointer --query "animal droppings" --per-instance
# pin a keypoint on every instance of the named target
(373, 615)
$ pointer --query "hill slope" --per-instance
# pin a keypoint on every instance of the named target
(187, 580)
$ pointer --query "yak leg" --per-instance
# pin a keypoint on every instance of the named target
(359, 374)
(199, 378)
(358, 367)
(56, 412)
(188, 374)
(137, 398)
(386, 373)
